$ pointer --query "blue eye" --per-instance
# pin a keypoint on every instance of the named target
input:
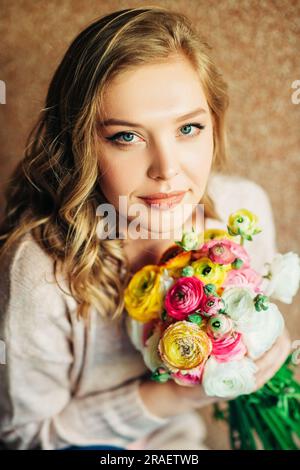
(128, 136)
(187, 126)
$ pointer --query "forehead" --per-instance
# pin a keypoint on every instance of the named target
(160, 89)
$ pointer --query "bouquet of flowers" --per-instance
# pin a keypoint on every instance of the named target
(203, 315)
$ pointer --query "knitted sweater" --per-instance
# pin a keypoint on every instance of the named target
(64, 383)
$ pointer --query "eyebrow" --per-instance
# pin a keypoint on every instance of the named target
(120, 122)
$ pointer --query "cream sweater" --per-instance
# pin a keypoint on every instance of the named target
(62, 383)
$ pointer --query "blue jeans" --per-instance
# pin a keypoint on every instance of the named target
(95, 447)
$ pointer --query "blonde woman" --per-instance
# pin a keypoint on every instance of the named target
(71, 377)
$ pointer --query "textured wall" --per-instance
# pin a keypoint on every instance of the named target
(257, 46)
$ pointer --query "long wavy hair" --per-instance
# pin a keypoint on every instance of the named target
(54, 190)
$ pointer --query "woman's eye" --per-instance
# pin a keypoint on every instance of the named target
(128, 136)
(188, 127)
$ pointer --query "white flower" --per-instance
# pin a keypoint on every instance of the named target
(284, 273)
(259, 329)
(150, 349)
(135, 332)
(239, 305)
(229, 379)
(150, 352)
(267, 325)
(190, 241)
(166, 281)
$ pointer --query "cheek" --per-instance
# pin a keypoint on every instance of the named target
(119, 177)
(200, 164)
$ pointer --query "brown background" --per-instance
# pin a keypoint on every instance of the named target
(256, 44)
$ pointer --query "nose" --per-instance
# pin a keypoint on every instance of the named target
(164, 164)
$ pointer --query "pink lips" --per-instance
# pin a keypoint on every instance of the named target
(164, 201)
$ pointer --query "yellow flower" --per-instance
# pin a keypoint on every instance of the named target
(144, 294)
(209, 272)
(184, 345)
(244, 223)
(216, 234)
(175, 264)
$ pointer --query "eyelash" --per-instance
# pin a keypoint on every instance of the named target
(113, 138)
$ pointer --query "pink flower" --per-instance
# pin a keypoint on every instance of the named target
(244, 277)
(191, 377)
(184, 297)
(220, 253)
(211, 305)
(228, 348)
(230, 251)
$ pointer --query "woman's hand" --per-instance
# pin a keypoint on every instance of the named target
(268, 364)
(170, 399)
(271, 361)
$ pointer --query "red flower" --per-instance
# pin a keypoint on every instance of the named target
(184, 297)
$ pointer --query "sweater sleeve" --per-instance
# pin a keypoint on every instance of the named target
(37, 407)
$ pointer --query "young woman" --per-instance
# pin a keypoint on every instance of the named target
(71, 376)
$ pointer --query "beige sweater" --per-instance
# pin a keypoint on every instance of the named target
(64, 384)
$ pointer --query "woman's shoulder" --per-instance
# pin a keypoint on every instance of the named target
(27, 267)
(26, 258)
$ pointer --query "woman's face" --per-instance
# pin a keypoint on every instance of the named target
(165, 145)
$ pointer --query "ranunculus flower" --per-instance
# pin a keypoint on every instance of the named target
(184, 345)
(150, 352)
(220, 253)
(144, 295)
(211, 305)
(191, 240)
(230, 347)
(190, 377)
(232, 251)
(244, 277)
(229, 379)
(135, 332)
(239, 305)
(244, 223)
(219, 326)
(184, 297)
(209, 272)
(284, 276)
(263, 330)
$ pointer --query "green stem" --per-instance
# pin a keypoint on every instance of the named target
(278, 432)
(263, 434)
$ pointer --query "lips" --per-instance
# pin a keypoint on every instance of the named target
(164, 200)
(163, 195)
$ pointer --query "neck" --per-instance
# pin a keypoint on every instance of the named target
(149, 251)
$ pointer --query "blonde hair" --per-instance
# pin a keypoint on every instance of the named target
(54, 191)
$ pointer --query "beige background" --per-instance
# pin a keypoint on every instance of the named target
(256, 44)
